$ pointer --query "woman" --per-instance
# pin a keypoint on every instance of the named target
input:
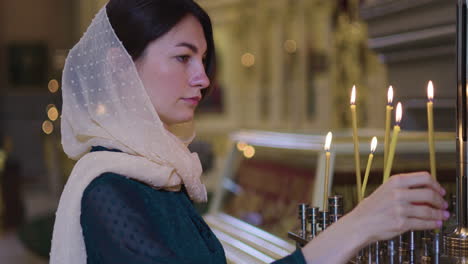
(130, 88)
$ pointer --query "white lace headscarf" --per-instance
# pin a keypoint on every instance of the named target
(105, 104)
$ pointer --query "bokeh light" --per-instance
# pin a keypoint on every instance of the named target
(248, 60)
(249, 152)
(53, 86)
(241, 145)
(101, 109)
(47, 127)
(290, 46)
(53, 113)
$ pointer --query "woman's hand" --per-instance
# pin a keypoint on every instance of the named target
(405, 202)
(412, 201)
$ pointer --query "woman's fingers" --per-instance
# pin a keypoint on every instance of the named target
(421, 196)
(425, 213)
(418, 224)
(416, 179)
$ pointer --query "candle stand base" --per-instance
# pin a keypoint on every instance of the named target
(412, 247)
(456, 243)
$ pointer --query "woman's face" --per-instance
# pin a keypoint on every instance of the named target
(173, 72)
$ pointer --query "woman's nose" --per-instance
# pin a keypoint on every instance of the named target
(200, 80)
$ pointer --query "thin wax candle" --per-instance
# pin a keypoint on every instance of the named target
(391, 151)
(328, 141)
(430, 132)
(357, 162)
(430, 128)
(388, 117)
(369, 165)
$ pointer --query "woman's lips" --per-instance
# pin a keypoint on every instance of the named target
(192, 100)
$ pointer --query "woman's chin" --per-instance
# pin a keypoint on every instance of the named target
(181, 119)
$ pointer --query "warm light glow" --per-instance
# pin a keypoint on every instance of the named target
(399, 113)
(249, 151)
(101, 109)
(373, 144)
(290, 46)
(390, 95)
(241, 145)
(47, 127)
(430, 91)
(49, 106)
(53, 86)
(2, 159)
(248, 59)
(353, 95)
(328, 141)
(53, 113)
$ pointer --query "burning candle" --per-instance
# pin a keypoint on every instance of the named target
(369, 165)
(388, 117)
(430, 128)
(356, 143)
(391, 151)
(327, 170)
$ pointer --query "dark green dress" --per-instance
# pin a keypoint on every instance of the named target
(126, 221)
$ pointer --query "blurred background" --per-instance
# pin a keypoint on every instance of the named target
(284, 65)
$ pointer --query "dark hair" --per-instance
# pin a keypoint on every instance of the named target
(139, 22)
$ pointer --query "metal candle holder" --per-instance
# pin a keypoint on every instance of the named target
(457, 242)
(313, 217)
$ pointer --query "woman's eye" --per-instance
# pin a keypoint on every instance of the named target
(183, 58)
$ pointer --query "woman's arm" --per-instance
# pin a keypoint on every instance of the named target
(406, 202)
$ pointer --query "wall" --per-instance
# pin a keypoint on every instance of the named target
(416, 40)
(22, 21)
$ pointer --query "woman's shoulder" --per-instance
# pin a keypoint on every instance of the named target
(110, 181)
(120, 189)
(124, 190)
(109, 188)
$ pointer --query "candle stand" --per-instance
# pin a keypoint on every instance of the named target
(450, 246)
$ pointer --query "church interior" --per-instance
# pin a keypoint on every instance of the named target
(286, 69)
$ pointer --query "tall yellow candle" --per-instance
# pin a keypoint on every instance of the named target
(391, 151)
(327, 171)
(430, 131)
(357, 162)
(430, 128)
(369, 165)
(388, 117)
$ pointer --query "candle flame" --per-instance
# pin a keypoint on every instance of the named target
(373, 144)
(430, 91)
(390, 95)
(353, 95)
(328, 141)
(399, 113)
